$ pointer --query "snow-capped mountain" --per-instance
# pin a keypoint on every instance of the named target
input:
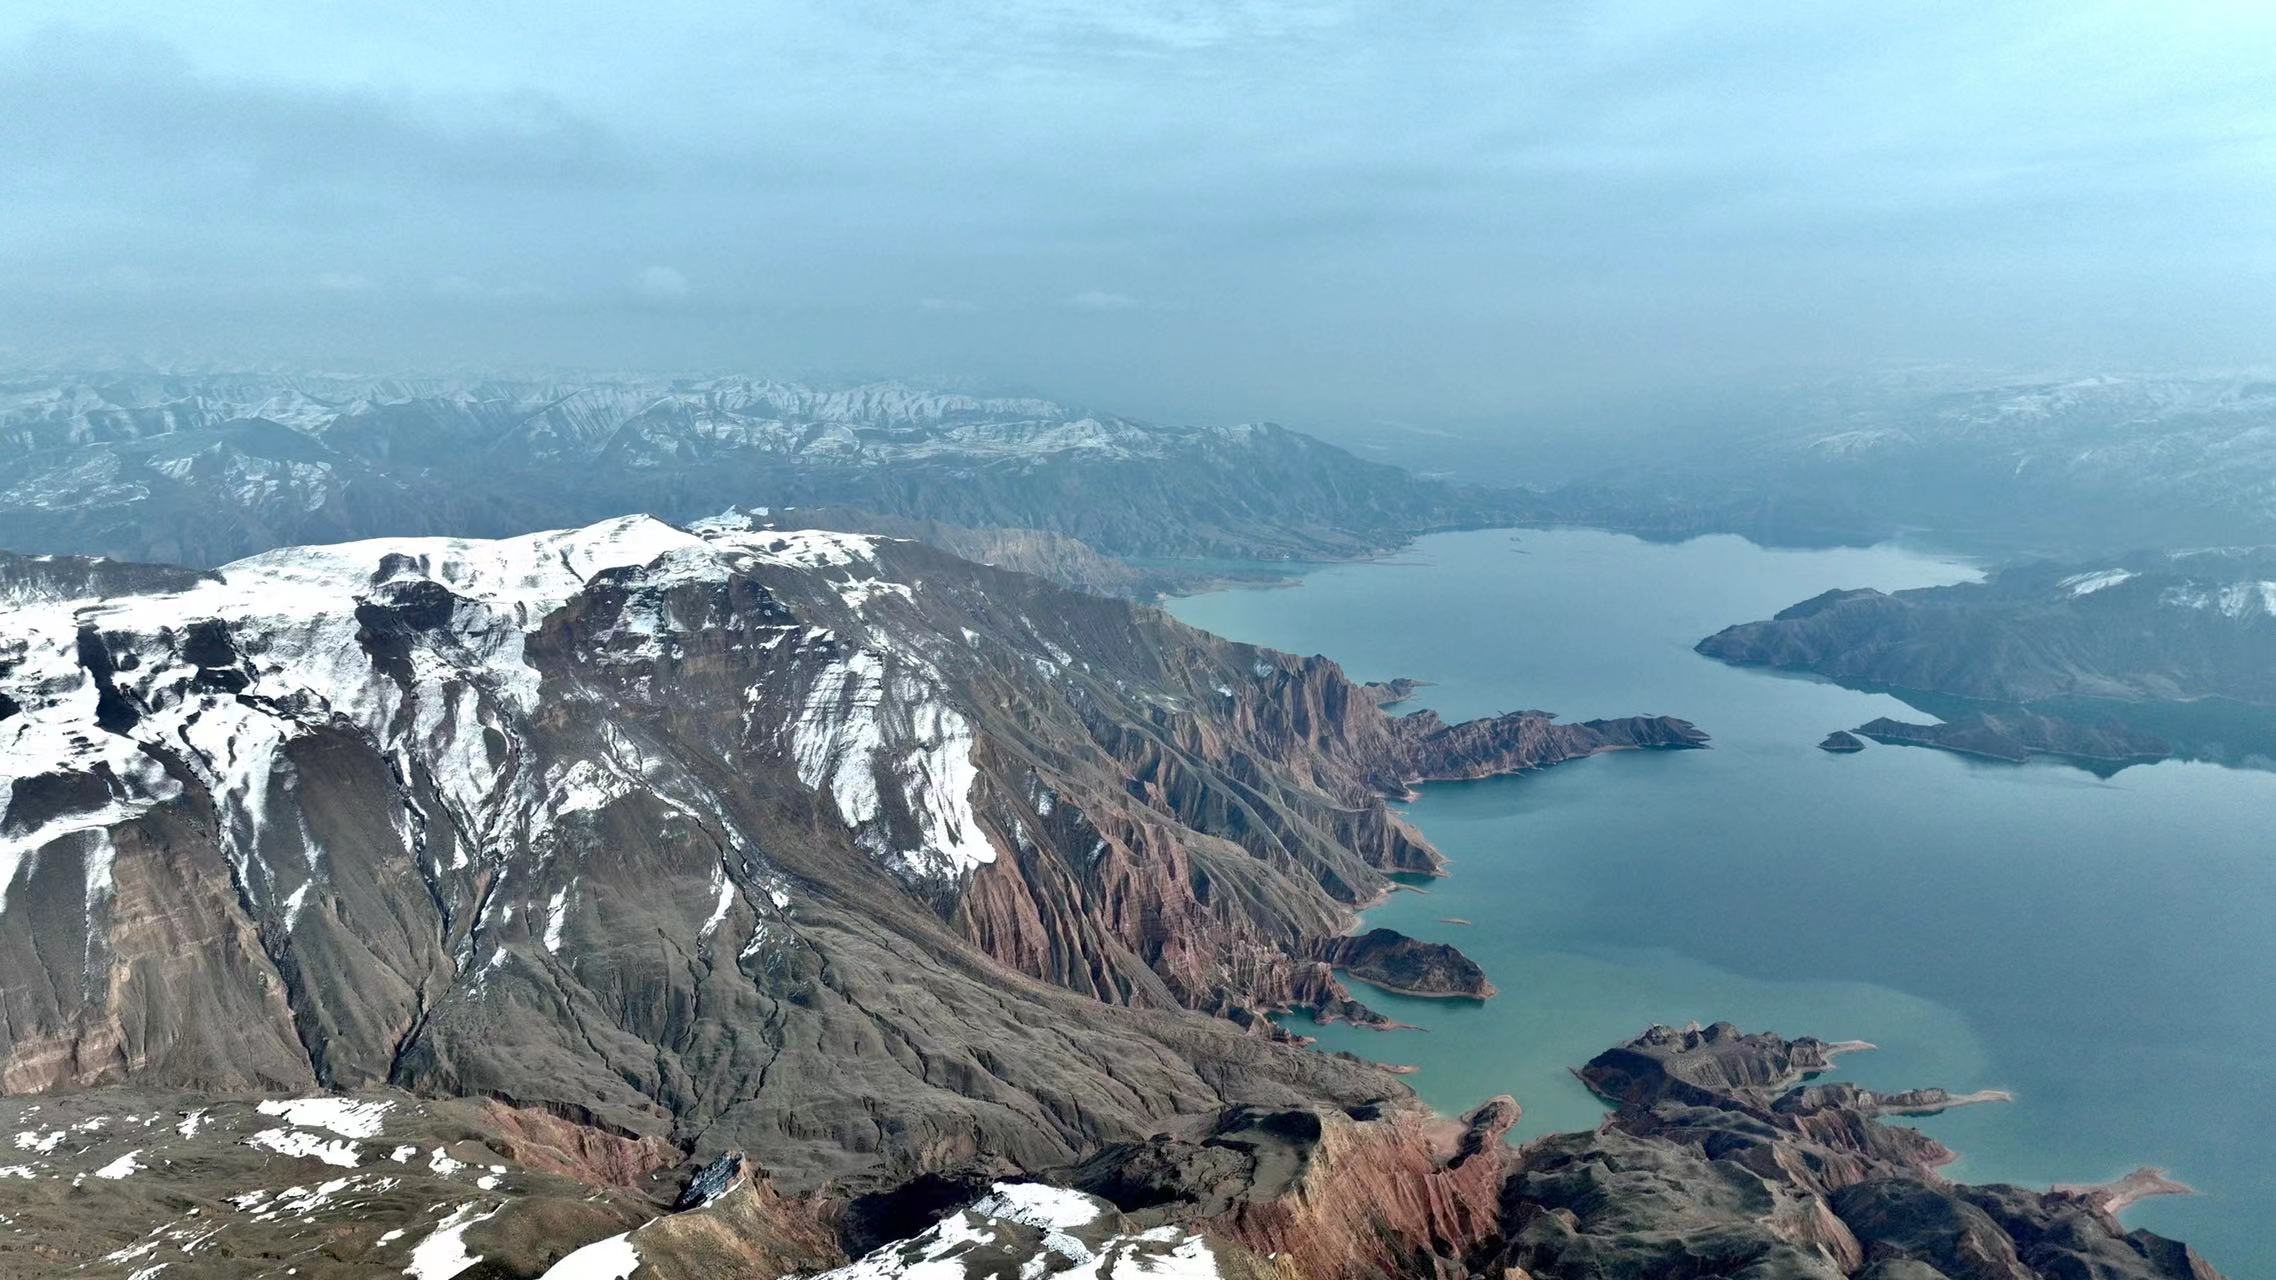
(658, 823)
(210, 468)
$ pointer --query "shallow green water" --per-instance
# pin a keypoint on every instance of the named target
(2102, 947)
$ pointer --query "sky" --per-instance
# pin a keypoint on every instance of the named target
(1319, 213)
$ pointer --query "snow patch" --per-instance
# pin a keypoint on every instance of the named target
(124, 1167)
(556, 914)
(300, 1144)
(2086, 584)
(612, 1259)
(443, 1254)
(344, 1116)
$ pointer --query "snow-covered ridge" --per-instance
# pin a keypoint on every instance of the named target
(641, 421)
(2229, 599)
(2086, 584)
(223, 673)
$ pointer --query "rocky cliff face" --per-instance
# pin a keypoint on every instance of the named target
(1719, 1161)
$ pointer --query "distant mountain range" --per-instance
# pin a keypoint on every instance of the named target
(203, 469)
(2060, 467)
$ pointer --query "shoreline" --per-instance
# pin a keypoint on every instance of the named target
(2122, 1193)
(2115, 1196)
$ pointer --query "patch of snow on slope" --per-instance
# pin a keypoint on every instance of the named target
(2233, 600)
(556, 914)
(995, 1224)
(837, 734)
(612, 1259)
(726, 891)
(807, 548)
(2086, 584)
(123, 1167)
(1039, 1205)
(344, 1116)
(299, 1144)
(443, 1254)
(939, 779)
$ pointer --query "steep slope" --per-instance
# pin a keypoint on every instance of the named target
(206, 469)
(828, 846)
(2145, 627)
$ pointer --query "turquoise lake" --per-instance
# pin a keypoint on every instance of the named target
(2100, 946)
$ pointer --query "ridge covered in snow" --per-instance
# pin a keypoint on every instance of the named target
(219, 676)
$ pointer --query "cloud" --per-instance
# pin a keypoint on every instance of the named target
(1102, 300)
(660, 284)
(1470, 200)
(75, 101)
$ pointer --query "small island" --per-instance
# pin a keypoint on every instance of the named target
(1841, 742)
(1395, 962)
(2017, 735)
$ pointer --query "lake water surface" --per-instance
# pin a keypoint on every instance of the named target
(2101, 947)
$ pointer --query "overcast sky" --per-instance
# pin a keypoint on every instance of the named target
(1315, 212)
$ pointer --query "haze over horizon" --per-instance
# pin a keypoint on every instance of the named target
(1331, 214)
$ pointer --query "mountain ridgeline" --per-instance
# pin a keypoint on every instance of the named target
(210, 468)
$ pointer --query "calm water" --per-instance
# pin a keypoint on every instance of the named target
(2102, 947)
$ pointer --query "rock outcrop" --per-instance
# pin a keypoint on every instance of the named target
(1718, 1160)
(1391, 959)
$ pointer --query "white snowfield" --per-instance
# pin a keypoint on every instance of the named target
(2086, 584)
(873, 721)
(1072, 1246)
(614, 1258)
